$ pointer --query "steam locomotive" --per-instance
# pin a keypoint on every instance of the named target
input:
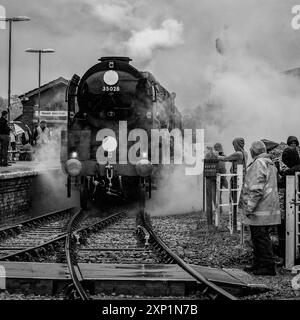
(111, 99)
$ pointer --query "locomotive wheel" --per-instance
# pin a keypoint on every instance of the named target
(84, 194)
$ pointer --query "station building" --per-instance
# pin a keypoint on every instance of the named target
(53, 108)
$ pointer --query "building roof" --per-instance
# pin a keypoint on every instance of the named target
(44, 87)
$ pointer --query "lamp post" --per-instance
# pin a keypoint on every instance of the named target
(10, 21)
(39, 51)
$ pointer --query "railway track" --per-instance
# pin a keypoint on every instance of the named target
(34, 237)
(115, 242)
(39, 238)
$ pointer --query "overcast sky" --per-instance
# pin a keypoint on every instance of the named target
(174, 39)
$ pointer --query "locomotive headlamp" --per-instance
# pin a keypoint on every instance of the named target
(74, 154)
(111, 77)
(109, 144)
(144, 168)
(73, 167)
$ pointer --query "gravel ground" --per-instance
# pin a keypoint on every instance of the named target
(102, 296)
(189, 237)
(33, 237)
(115, 244)
(20, 296)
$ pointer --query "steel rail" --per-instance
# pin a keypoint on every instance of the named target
(42, 248)
(70, 245)
(210, 289)
(70, 260)
(17, 227)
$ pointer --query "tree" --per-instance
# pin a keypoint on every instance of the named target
(16, 107)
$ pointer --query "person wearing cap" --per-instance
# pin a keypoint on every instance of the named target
(292, 142)
(4, 139)
(259, 206)
(42, 134)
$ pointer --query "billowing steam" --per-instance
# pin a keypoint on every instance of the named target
(249, 98)
(142, 43)
(48, 155)
(177, 194)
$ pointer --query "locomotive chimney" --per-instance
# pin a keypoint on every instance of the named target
(123, 59)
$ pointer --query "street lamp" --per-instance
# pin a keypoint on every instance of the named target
(39, 51)
(10, 21)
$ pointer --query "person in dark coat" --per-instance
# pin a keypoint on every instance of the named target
(4, 139)
(291, 159)
(221, 165)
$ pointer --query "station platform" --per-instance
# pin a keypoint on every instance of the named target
(30, 189)
(130, 279)
(26, 168)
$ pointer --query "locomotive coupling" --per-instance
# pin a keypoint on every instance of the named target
(144, 168)
(73, 167)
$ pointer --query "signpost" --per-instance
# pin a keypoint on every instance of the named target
(209, 188)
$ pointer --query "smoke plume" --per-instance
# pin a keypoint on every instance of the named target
(142, 43)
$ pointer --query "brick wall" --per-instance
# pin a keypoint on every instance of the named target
(14, 199)
(28, 194)
(27, 117)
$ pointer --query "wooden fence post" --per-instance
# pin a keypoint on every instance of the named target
(210, 174)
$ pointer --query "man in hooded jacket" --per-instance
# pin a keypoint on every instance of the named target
(239, 156)
(259, 205)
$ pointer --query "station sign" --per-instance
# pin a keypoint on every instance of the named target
(50, 113)
(210, 167)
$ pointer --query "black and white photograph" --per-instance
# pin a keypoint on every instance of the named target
(149, 154)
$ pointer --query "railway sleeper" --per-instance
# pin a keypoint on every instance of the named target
(49, 248)
(3, 234)
(28, 256)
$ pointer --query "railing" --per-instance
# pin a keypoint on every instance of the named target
(233, 198)
(292, 224)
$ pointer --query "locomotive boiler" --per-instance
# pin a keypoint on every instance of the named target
(108, 108)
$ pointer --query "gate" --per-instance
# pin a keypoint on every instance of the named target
(233, 198)
(292, 230)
